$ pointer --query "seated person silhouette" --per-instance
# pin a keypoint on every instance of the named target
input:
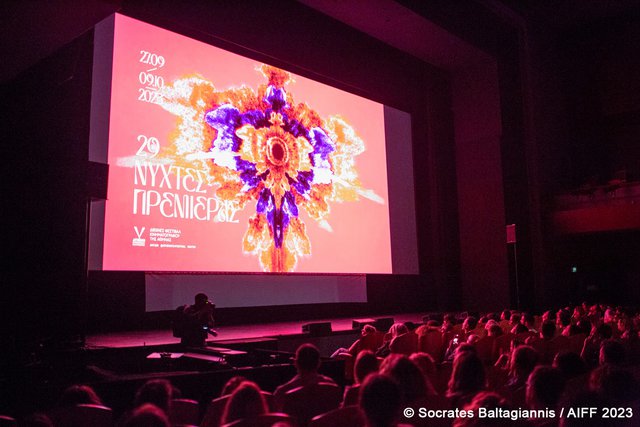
(192, 323)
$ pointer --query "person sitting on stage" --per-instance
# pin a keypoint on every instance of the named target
(307, 362)
(193, 322)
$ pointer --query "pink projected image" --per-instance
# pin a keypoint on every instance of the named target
(221, 163)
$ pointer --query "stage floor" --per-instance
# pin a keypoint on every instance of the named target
(265, 330)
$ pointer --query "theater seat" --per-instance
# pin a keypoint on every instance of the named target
(431, 342)
(406, 344)
(304, 403)
(349, 416)
(83, 415)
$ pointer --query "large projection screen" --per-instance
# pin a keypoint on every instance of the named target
(219, 163)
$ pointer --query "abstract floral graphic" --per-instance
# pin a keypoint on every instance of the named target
(259, 146)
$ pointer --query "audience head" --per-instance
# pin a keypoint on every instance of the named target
(548, 330)
(563, 318)
(612, 352)
(519, 329)
(425, 362)
(232, 384)
(368, 330)
(544, 387)
(468, 374)
(495, 330)
(585, 326)
(470, 323)
(147, 415)
(246, 401)
(570, 364)
(79, 394)
(523, 359)
(485, 400)
(515, 319)
(616, 383)
(604, 331)
(158, 392)
(380, 400)
(571, 330)
(548, 316)
(505, 315)
(366, 363)
(307, 358)
(408, 377)
(410, 326)
(397, 329)
(528, 320)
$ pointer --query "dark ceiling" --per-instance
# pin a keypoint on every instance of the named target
(32, 30)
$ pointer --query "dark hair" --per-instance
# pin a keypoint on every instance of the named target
(380, 400)
(564, 317)
(545, 386)
(366, 363)
(612, 352)
(246, 401)
(519, 329)
(570, 364)
(616, 383)
(548, 329)
(528, 318)
(79, 394)
(495, 330)
(158, 392)
(201, 299)
(307, 358)
(472, 322)
(147, 415)
(523, 360)
(408, 376)
(468, 374)
(604, 331)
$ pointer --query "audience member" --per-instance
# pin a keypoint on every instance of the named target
(467, 378)
(366, 364)
(158, 392)
(380, 400)
(307, 362)
(413, 388)
(570, 364)
(426, 364)
(544, 390)
(246, 402)
(612, 352)
(147, 415)
(79, 394)
(395, 330)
